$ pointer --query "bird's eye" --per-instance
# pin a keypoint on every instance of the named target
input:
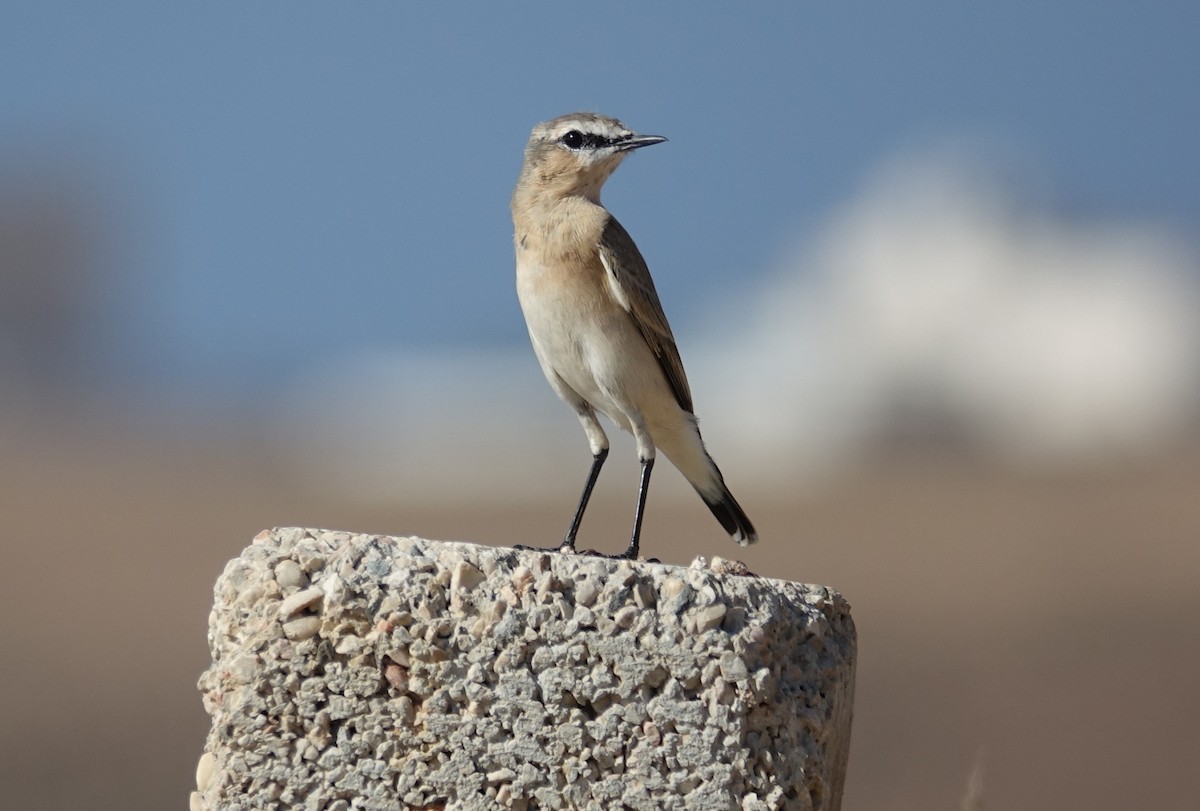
(573, 139)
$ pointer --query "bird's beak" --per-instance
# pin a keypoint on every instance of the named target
(638, 141)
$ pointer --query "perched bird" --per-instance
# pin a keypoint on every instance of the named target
(594, 317)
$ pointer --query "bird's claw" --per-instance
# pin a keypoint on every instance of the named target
(562, 548)
(569, 549)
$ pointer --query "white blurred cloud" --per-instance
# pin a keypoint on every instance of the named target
(934, 303)
(934, 307)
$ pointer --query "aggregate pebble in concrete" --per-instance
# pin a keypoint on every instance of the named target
(367, 672)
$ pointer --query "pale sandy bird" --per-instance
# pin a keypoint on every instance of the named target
(594, 318)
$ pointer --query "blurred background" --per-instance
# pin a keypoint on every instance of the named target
(933, 269)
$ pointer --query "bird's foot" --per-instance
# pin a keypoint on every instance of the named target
(568, 548)
(563, 548)
(621, 556)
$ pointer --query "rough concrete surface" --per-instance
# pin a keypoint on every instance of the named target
(358, 671)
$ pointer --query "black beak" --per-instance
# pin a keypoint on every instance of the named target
(638, 141)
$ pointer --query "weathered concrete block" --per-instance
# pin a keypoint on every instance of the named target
(358, 671)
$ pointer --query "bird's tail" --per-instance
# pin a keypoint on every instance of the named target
(730, 514)
(686, 449)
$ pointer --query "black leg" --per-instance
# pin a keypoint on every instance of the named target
(597, 463)
(632, 552)
(568, 544)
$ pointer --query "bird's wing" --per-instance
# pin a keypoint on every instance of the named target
(630, 282)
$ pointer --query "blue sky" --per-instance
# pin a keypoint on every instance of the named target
(278, 184)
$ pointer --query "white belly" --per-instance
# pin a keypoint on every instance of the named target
(586, 340)
(592, 352)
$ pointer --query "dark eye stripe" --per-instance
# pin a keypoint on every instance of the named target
(585, 140)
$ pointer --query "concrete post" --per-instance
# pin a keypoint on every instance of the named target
(357, 671)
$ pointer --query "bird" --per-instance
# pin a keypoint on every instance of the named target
(595, 320)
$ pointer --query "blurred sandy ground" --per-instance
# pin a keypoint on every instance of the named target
(1018, 537)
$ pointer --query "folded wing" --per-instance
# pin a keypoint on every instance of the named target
(630, 282)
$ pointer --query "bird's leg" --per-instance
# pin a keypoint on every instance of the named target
(632, 552)
(568, 543)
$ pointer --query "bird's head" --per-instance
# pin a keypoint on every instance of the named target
(574, 154)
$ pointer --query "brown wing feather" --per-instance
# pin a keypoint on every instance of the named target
(634, 288)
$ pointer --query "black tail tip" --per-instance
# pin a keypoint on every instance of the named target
(732, 517)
